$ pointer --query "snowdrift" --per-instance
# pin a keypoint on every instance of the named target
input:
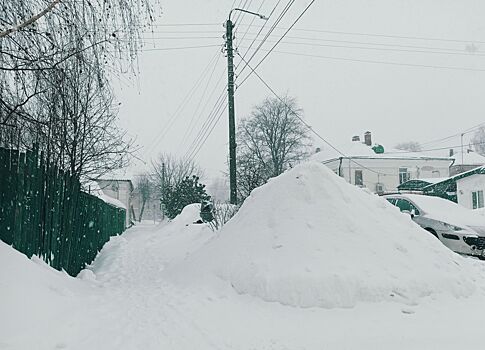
(309, 239)
(33, 293)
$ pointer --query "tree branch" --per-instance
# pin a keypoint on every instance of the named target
(30, 20)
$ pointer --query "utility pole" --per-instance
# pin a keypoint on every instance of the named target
(232, 122)
(231, 108)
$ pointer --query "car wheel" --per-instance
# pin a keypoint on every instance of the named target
(433, 232)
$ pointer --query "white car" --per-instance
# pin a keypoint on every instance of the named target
(460, 229)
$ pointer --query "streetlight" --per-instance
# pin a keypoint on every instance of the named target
(230, 93)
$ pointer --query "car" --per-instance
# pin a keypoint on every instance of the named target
(458, 228)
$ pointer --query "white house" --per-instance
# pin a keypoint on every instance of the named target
(465, 160)
(121, 190)
(367, 165)
(470, 189)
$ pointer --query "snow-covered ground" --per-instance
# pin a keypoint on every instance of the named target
(309, 262)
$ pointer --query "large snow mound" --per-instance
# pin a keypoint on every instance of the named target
(309, 239)
(33, 293)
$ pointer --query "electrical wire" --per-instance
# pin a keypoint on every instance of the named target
(208, 126)
(279, 40)
(180, 107)
(311, 129)
(191, 124)
(270, 30)
(417, 65)
(178, 48)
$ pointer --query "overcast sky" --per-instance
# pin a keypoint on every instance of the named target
(405, 70)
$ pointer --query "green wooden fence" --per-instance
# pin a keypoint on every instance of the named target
(43, 212)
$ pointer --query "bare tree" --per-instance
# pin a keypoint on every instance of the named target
(250, 173)
(411, 146)
(145, 188)
(54, 59)
(478, 141)
(271, 140)
(169, 171)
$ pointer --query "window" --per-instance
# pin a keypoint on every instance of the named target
(406, 206)
(404, 175)
(359, 179)
(392, 200)
(477, 199)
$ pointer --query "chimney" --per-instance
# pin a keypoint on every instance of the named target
(368, 138)
(355, 138)
(318, 149)
(451, 152)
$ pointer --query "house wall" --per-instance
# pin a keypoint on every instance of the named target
(120, 190)
(467, 185)
(386, 171)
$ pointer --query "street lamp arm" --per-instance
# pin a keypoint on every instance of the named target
(250, 12)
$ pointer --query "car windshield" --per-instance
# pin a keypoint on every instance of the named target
(446, 211)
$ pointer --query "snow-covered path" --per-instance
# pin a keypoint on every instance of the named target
(131, 305)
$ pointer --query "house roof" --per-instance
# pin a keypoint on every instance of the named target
(115, 180)
(419, 184)
(359, 150)
(429, 184)
(468, 158)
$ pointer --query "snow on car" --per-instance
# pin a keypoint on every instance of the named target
(460, 229)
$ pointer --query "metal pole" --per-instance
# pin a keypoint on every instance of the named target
(232, 124)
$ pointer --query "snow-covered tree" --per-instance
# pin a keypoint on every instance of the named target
(188, 191)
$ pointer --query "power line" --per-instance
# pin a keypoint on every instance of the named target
(381, 46)
(269, 32)
(454, 135)
(382, 62)
(179, 48)
(206, 129)
(209, 133)
(182, 104)
(207, 121)
(406, 37)
(455, 52)
(279, 40)
(310, 128)
(189, 130)
(436, 149)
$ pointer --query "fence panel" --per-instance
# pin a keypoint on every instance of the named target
(44, 212)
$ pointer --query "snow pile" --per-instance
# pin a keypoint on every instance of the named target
(93, 188)
(32, 293)
(480, 211)
(310, 239)
(189, 215)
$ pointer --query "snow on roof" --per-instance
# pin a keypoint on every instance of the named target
(357, 149)
(468, 158)
(93, 188)
(309, 239)
(433, 180)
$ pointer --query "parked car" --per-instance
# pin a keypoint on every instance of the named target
(460, 229)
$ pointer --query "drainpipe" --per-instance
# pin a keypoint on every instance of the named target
(350, 172)
(340, 167)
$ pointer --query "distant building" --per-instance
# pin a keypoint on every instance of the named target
(121, 190)
(465, 161)
(365, 164)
